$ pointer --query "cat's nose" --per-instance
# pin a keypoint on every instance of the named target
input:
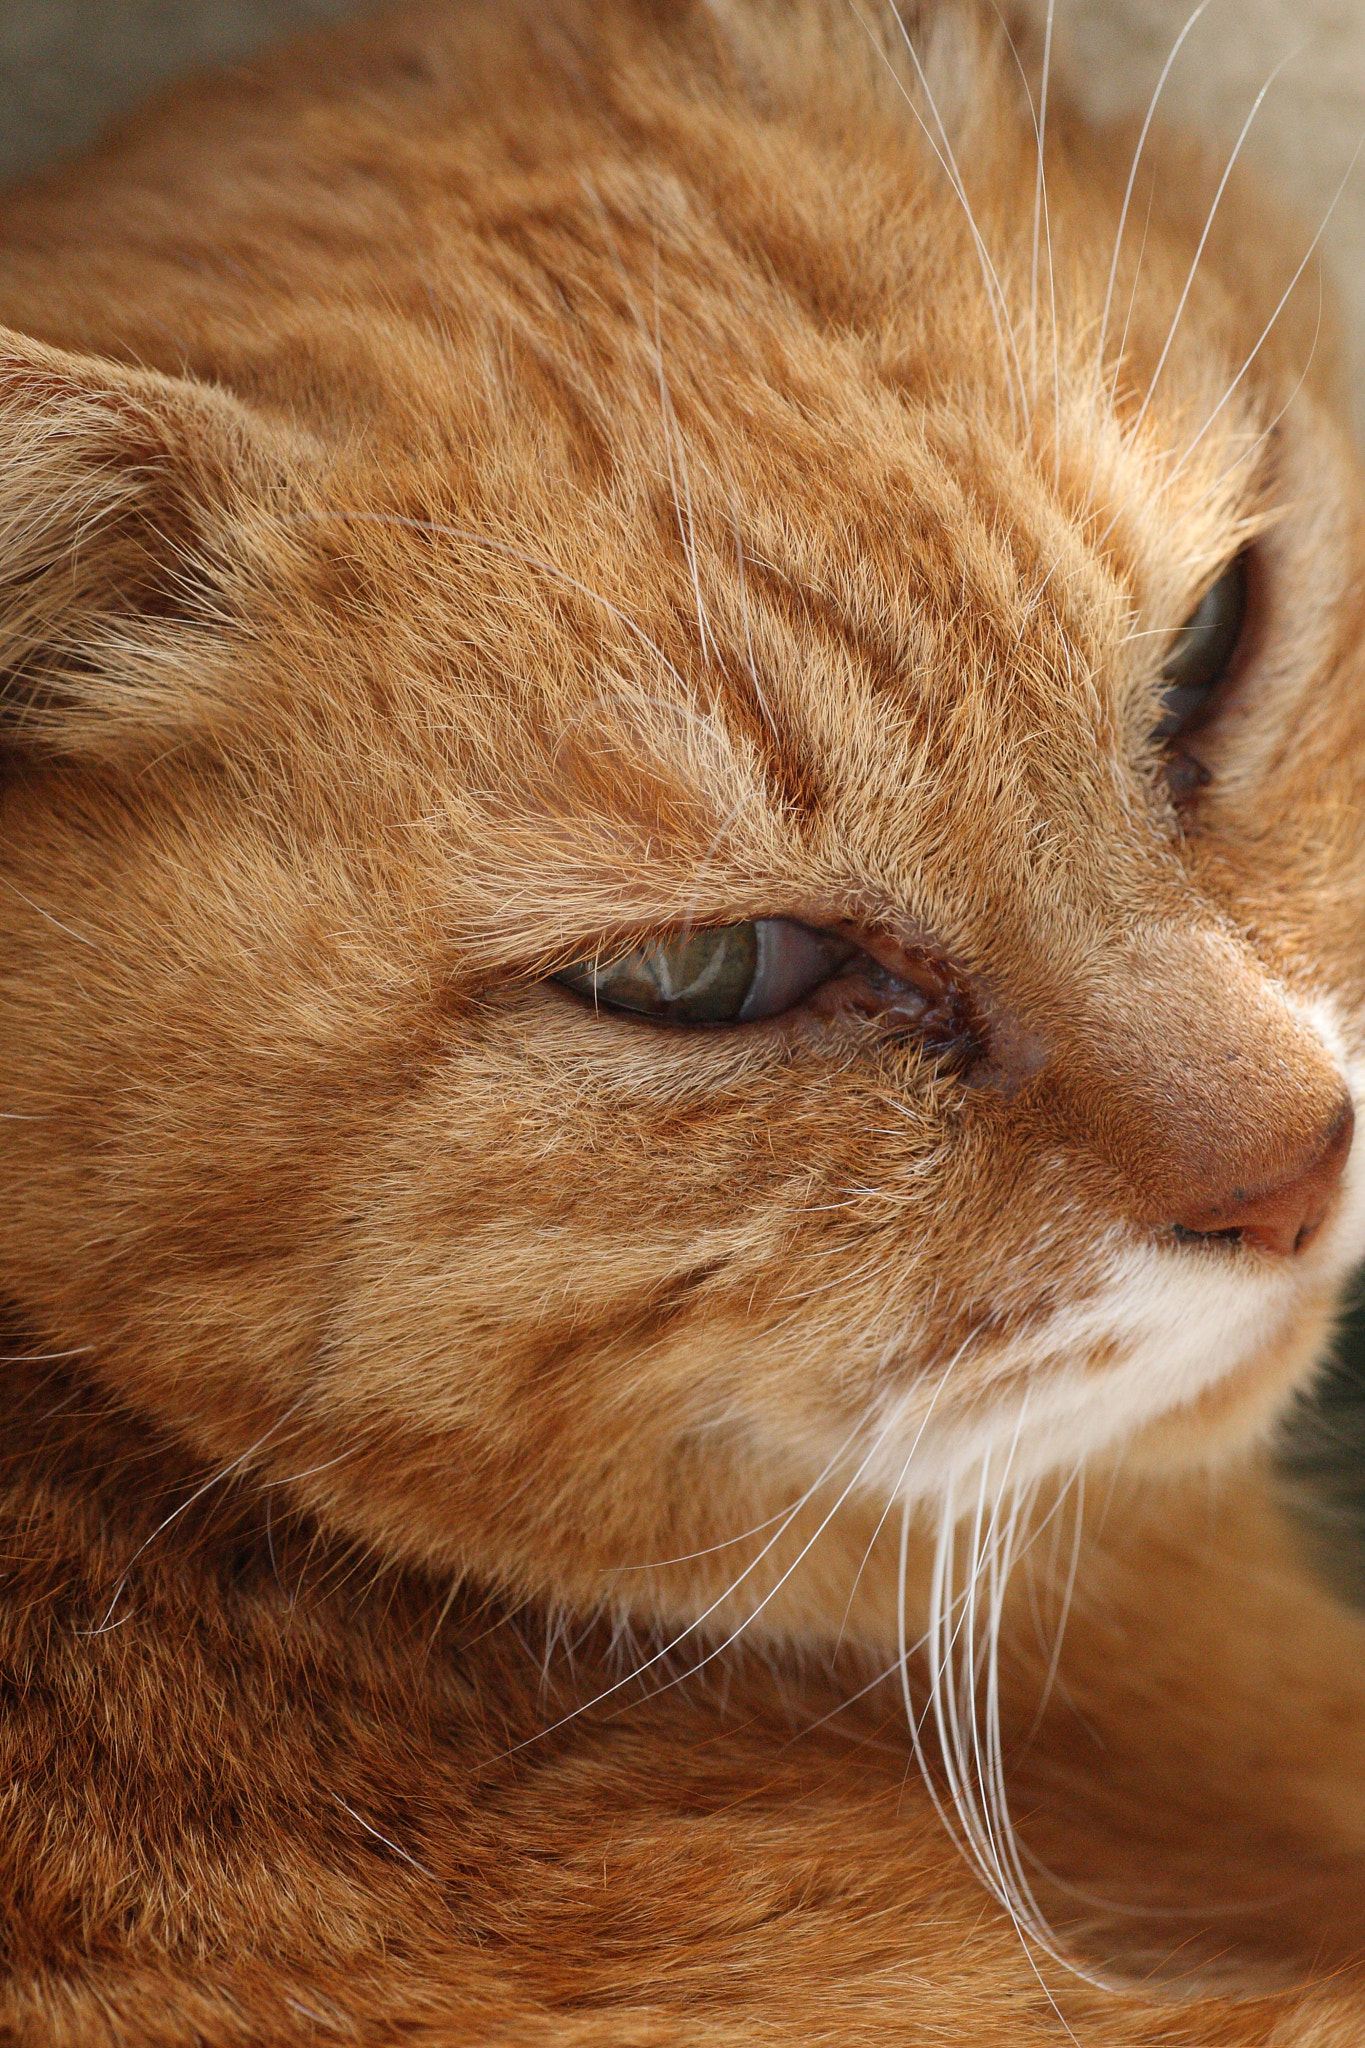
(1286, 1216)
(1219, 1105)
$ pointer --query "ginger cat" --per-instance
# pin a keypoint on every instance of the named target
(683, 865)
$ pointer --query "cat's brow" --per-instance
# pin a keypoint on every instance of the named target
(495, 545)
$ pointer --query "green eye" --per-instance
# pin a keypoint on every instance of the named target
(730, 974)
(1203, 652)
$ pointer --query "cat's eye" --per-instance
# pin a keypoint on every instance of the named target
(1202, 652)
(726, 974)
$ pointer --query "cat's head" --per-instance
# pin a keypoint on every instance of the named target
(708, 848)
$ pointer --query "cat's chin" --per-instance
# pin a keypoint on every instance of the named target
(1228, 1423)
(1243, 1408)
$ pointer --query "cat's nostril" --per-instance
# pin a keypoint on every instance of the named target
(1284, 1218)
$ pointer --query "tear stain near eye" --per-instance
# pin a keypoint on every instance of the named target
(924, 1001)
(1186, 778)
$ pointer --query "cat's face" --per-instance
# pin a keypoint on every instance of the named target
(733, 549)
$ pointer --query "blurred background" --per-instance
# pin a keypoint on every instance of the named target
(69, 66)
(66, 66)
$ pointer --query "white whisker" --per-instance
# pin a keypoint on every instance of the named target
(894, 1493)
(674, 452)
(1068, 1593)
(396, 1847)
(1270, 325)
(1009, 347)
(175, 1514)
(1203, 243)
(673, 446)
(1040, 211)
(1150, 116)
(748, 635)
(494, 545)
(661, 1654)
(962, 1641)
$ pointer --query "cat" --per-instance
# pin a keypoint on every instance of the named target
(682, 998)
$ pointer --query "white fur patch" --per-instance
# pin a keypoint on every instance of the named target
(1168, 1324)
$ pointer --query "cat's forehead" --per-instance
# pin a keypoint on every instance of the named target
(781, 492)
(830, 571)
(866, 398)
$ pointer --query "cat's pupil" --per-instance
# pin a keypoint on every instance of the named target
(727, 974)
(1203, 652)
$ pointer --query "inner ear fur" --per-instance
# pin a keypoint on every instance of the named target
(127, 499)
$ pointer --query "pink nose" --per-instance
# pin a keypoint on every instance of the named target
(1283, 1218)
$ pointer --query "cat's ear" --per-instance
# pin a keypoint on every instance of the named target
(126, 499)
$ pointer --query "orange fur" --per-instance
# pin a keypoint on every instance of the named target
(481, 490)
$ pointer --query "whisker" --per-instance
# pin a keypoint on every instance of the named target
(659, 1655)
(1042, 215)
(396, 1847)
(1150, 116)
(57, 925)
(1267, 330)
(1120, 353)
(689, 1556)
(775, 1589)
(687, 529)
(494, 546)
(1250, 451)
(326, 1466)
(1009, 348)
(1068, 1593)
(44, 1357)
(1039, 206)
(198, 1494)
(964, 1693)
(1202, 244)
(712, 848)
(748, 635)
(894, 1493)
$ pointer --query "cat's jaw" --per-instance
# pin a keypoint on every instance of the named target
(1201, 1385)
(1181, 1359)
